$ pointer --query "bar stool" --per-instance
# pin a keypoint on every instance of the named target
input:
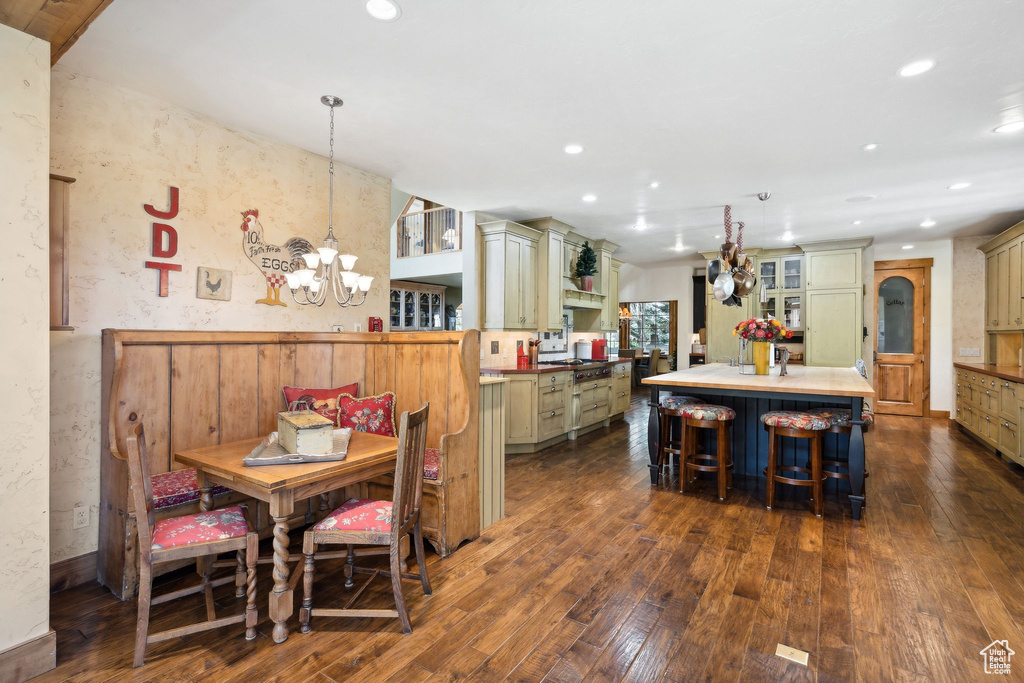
(840, 422)
(797, 425)
(668, 411)
(706, 416)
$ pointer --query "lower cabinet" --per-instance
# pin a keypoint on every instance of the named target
(987, 407)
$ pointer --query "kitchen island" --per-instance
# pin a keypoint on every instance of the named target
(753, 395)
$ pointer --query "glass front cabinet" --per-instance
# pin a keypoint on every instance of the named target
(416, 306)
(783, 278)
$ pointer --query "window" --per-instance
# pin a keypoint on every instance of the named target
(652, 325)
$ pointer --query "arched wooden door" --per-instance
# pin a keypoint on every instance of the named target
(901, 337)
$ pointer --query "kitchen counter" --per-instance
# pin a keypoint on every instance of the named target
(1011, 373)
(539, 369)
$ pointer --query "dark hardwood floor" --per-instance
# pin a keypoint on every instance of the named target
(594, 575)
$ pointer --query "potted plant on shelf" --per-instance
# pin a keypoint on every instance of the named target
(763, 332)
(586, 266)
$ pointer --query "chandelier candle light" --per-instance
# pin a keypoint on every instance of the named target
(764, 332)
(322, 271)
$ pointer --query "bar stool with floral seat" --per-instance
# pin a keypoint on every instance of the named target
(840, 422)
(668, 412)
(797, 425)
(706, 416)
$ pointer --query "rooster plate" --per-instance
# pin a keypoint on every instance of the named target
(273, 261)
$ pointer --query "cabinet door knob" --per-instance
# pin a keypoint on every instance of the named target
(553, 388)
(595, 405)
(552, 413)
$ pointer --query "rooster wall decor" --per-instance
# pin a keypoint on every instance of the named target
(272, 260)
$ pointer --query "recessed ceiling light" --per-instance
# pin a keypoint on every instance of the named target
(718, 237)
(590, 197)
(860, 199)
(908, 246)
(1012, 127)
(654, 185)
(383, 10)
(928, 223)
(958, 186)
(857, 222)
(678, 247)
(870, 147)
(917, 68)
(573, 149)
(641, 224)
(787, 236)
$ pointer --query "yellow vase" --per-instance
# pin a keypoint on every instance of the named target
(761, 350)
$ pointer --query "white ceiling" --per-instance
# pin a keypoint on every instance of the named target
(470, 103)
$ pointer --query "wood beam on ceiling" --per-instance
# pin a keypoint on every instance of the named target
(59, 22)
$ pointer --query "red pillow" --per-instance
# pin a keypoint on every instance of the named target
(322, 401)
(372, 414)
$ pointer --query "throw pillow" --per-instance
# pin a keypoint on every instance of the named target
(322, 401)
(372, 414)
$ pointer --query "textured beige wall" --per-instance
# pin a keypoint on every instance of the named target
(24, 309)
(124, 149)
(969, 297)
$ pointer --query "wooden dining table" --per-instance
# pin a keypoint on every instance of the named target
(369, 456)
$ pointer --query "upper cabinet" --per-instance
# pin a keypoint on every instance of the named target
(834, 302)
(510, 277)
(1003, 281)
(415, 306)
(834, 268)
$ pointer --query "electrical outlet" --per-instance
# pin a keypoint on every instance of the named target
(81, 517)
(494, 347)
(359, 327)
(337, 328)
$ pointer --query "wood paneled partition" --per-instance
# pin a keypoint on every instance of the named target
(193, 389)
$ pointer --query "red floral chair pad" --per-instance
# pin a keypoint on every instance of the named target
(431, 464)
(792, 419)
(177, 487)
(202, 527)
(359, 514)
(842, 417)
(706, 411)
(677, 402)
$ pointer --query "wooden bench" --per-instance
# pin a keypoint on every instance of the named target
(194, 389)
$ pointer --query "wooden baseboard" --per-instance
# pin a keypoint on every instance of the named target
(939, 413)
(72, 572)
(30, 659)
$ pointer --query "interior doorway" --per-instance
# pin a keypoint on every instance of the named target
(902, 347)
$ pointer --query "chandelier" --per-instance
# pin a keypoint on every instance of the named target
(326, 269)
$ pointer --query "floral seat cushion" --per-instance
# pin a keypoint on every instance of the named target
(359, 514)
(842, 417)
(677, 402)
(431, 464)
(706, 411)
(793, 419)
(202, 527)
(177, 487)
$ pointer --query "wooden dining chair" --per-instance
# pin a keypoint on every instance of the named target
(652, 365)
(202, 536)
(376, 523)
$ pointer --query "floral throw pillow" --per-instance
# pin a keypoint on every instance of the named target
(371, 414)
(322, 401)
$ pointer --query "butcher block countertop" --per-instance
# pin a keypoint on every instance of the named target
(799, 380)
(1011, 373)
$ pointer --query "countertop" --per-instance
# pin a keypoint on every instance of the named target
(1011, 373)
(799, 380)
(540, 369)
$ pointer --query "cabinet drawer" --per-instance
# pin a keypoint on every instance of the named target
(988, 400)
(620, 401)
(1008, 407)
(967, 416)
(987, 427)
(553, 379)
(592, 413)
(622, 370)
(594, 395)
(551, 424)
(1009, 444)
(550, 398)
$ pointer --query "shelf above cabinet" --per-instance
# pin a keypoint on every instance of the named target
(575, 298)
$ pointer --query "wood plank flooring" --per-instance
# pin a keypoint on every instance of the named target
(594, 575)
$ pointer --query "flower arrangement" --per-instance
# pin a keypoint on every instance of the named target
(761, 330)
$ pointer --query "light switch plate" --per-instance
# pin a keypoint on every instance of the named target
(359, 327)
(337, 328)
(494, 347)
(970, 352)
